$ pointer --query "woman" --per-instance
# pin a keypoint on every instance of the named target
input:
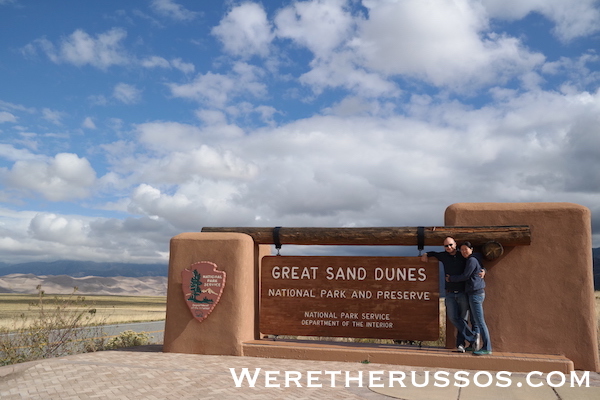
(474, 286)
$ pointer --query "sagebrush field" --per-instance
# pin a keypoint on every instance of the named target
(104, 309)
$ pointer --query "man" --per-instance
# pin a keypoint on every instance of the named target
(457, 302)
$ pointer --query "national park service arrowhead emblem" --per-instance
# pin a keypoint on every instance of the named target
(202, 287)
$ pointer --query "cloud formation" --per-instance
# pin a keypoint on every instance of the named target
(64, 177)
(303, 113)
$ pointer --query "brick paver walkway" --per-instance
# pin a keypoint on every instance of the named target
(147, 373)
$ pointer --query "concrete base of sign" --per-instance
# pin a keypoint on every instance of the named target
(434, 357)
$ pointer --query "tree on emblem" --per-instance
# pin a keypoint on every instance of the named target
(195, 283)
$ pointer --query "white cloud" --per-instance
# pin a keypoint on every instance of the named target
(7, 117)
(9, 152)
(192, 205)
(345, 169)
(187, 155)
(245, 31)
(186, 68)
(572, 19)
(64, 177)
(45, 236)
(80, 48)
(340, 71)
(204, 162)
(444, 43)
(155, 62)
(54, 228)
(579, 71)
(321, 26)
(181, 136)
(218, 90)
(160, 62)
(127, 94)
(171, 9)
(88, 123)
(52, 116)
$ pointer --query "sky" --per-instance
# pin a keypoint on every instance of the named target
(125, 123)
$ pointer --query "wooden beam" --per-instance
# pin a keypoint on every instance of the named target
(514, 235)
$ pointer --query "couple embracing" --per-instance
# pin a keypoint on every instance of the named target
(465, 294)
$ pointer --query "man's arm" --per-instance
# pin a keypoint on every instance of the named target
(469, 269)
(427, 254)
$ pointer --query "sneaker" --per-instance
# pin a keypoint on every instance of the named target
(477, 345)
(482, 353)
(470, 348)
(460, 349)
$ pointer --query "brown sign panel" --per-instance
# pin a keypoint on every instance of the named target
(202, 286)
(359, 297)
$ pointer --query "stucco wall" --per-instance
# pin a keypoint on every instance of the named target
(233, 319)
(539, 298)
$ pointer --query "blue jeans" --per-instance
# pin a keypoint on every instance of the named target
(478, 321)
(457, 309)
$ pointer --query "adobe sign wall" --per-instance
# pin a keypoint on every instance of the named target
(539, 297)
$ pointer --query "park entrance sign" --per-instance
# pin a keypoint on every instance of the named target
(360, 297)
(392, 298)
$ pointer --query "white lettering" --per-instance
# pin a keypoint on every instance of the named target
(310, 378)
(463, 377)
(400, 380)
(584, 378)
(295, 378)
(373, 379)
(441, 376)
(413, 375)
(501, 378)
(419, 379)
(357, 379)
(294, 272)
(269, 378)
(244, 375)
(402, 295)
(400, 274)
(527, 378)
(478, 374)
(563, 379)
(346, 273)
(332, 376)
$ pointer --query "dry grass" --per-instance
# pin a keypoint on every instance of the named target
(108, 309)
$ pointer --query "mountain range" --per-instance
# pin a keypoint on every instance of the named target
(78, 269)
(111, 278)
(98, 278)
(596, 253)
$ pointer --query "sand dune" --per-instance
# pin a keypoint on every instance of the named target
(63, 284)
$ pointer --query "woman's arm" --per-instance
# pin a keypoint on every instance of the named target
(472, 265)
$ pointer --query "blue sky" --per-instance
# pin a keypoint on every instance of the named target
(123, 124)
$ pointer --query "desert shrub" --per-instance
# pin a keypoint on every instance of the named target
(128, 339)
(57, 327)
